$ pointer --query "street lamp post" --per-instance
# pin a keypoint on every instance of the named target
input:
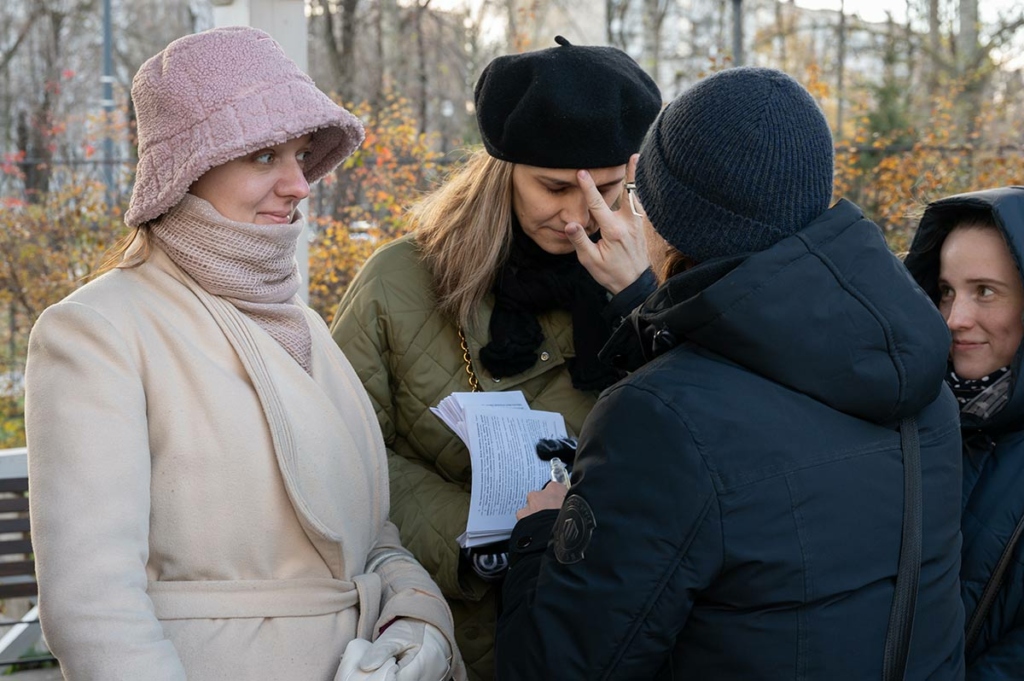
(737, 32)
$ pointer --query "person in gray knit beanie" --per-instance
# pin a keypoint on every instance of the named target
(747, 502)
(735, 164)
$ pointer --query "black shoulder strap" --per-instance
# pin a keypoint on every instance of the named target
(908, 572)
(995, 582)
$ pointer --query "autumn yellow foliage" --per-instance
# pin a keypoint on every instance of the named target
(50, 246)
(893, 181)
(47, 250)
(372, 190)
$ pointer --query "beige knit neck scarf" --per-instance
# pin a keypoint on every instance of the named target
(251, 266)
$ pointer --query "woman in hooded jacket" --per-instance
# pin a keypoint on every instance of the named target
(967, 255)
(208, 481)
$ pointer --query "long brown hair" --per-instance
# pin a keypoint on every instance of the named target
(464, 229)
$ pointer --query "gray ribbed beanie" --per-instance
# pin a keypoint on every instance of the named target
(736, 163)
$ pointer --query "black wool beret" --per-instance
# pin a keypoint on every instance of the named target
(565, 107)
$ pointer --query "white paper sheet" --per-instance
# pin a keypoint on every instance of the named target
(502, 449)
(452, 409)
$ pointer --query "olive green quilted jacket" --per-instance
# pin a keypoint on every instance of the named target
(409, 358)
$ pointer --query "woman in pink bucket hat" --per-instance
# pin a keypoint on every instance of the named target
(209, 484)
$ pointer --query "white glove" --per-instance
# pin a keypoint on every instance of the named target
(350, 671)
(421, 650)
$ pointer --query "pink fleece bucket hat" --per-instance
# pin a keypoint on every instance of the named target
(214, 96)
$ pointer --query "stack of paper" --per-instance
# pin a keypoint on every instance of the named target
(501, 432)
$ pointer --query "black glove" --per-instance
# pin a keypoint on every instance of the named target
(562, 447)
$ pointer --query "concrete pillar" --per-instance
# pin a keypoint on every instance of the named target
(285, 20)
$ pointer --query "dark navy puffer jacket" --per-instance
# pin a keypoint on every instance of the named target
(737, 501)
(993, 488)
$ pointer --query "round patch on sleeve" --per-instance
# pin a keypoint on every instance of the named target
(573, 530)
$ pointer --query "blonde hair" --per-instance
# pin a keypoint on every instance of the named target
(129, 251)
(464, 230)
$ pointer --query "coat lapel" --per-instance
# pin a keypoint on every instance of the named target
(326, 438)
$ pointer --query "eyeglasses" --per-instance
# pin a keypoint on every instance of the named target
(634, 202)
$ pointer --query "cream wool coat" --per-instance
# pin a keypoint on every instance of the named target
(202, 508)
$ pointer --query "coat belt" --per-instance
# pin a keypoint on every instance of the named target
(233, 599)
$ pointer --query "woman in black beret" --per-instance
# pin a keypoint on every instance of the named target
(512, 278)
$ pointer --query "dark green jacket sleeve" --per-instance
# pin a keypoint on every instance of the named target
(429, 510)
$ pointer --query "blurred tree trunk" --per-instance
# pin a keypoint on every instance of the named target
(9, 96)
(841, 68)
(421, 64)
(934, 48)
(36, 127)
(387, 50)
(963, 60)
(654, 12)
(512, 36)
(724, 26)
(7, 54)
(616, 13)
(967, 40)
(781, 32)
(970, 71)
(337, 30)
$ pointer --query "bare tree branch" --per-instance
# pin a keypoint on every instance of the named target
(8, 54)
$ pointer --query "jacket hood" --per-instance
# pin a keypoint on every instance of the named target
(1006, 206)
(829, 312)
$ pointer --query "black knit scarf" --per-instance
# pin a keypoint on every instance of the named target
(982, 397)
(533, 281)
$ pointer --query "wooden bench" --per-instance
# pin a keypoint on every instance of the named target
(17, 566)
(17, 569)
